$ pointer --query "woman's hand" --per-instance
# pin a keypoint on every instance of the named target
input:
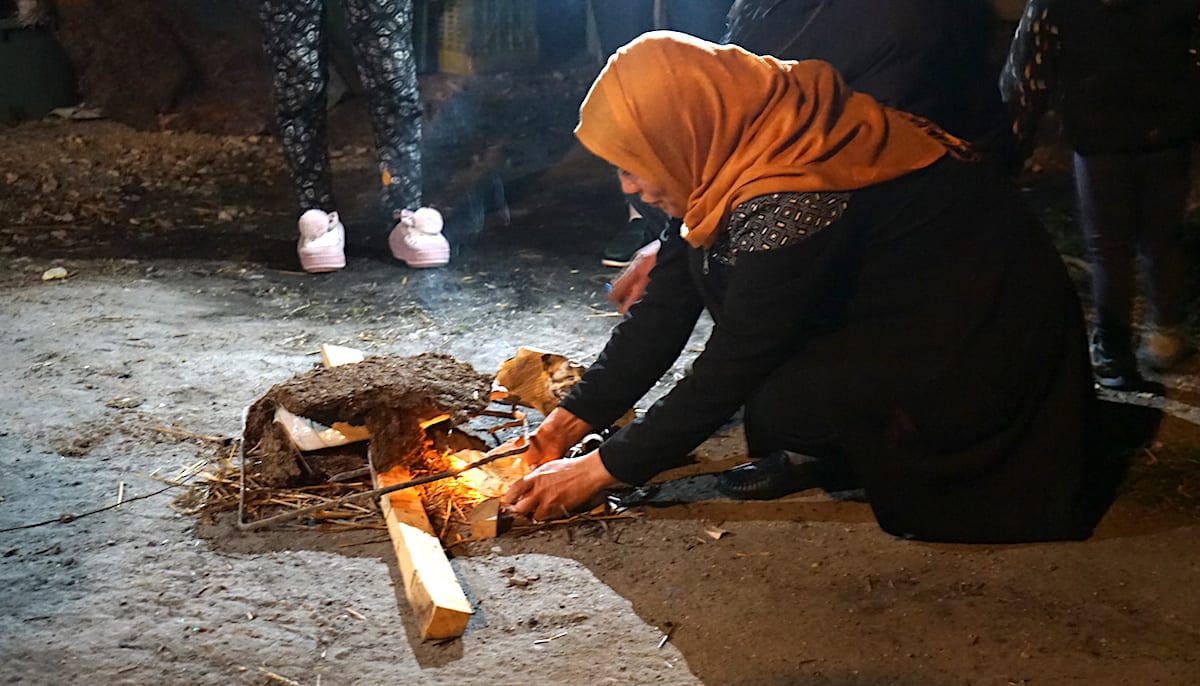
(551, 440)
(558, 487)
(629, 285)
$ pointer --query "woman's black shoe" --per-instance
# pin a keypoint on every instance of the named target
(773, 476)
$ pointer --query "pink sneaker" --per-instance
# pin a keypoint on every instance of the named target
(417, 239)
(322, 245)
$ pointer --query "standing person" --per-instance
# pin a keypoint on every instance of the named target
(926, 57)
(880, 306)
(1123, 74)
(381, 34)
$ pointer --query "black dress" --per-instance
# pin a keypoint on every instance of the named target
(924, 331)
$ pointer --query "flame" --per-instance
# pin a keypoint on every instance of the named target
(425, 424)
(487, 481)
(461, 487)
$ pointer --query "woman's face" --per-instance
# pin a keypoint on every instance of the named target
(651, 193)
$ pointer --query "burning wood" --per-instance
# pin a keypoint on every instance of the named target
(407, 408)
(489, 480)
(438, 602)
(485, 519)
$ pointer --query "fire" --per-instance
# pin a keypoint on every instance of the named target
(487, 481)
(464, 486)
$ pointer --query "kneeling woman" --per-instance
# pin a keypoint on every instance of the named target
(882, 306)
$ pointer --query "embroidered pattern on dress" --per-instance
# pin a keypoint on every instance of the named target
(776, 220)
(958, 148)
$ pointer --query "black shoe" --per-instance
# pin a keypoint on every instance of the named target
(1118, 371)
(636, 234)
(773, 476)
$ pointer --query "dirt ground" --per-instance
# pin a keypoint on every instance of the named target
(183, 303)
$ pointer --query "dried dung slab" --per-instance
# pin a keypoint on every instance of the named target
(389, 395)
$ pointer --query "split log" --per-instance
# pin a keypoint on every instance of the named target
(439, 605)
(485, 519)
(338, 355)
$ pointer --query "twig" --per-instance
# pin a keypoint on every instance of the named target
(373, 541)
(446, 521)
(281, 679)
(120, 492)
(352, 474)
(188, 434)
(461, 514)
(506, 425)
(510, 414)
(667, 634)
(180, 478)
(575, 520)
(552, 638)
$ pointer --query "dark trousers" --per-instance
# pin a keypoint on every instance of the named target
(381, 35)
(1133, 205)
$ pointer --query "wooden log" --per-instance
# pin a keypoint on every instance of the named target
(439, 605)
(485, 519)
(337, 355)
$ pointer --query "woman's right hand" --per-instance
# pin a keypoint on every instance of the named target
(551, 440)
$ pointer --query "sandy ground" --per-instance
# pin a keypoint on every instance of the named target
(183, 304)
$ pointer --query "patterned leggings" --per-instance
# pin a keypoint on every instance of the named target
(381, 33)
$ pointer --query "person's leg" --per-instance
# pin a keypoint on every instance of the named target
(792, 449)
(1107, 193)
(381, 31)
(1164, 178)
(293, 44)
(644, 226)
(382, 35)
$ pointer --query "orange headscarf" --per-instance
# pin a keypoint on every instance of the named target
(717, 126)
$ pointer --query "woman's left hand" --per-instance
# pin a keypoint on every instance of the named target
(631, 283)
(556, 488)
